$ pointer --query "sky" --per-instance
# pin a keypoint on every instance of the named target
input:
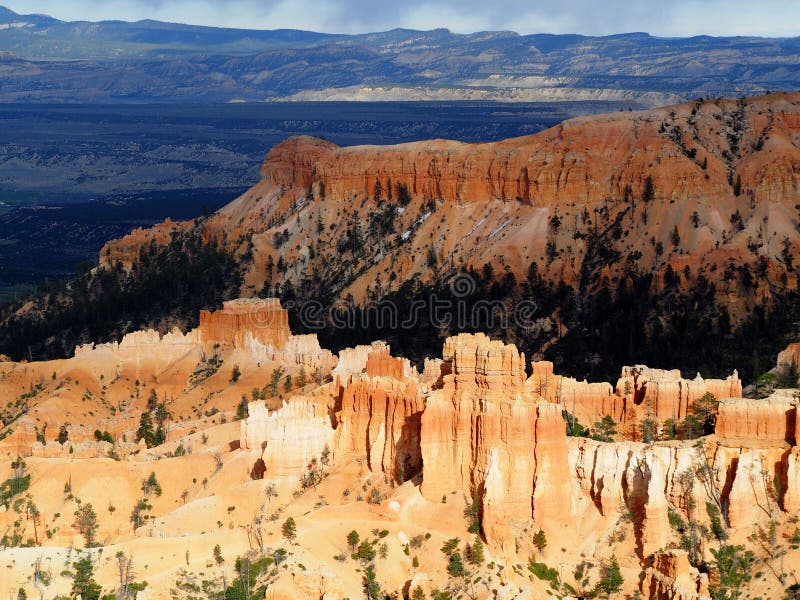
(673, 18)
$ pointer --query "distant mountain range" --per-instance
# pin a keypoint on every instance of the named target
(43, 59)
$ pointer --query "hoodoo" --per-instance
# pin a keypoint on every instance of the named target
(473, 446)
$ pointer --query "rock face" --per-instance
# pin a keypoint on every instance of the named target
(291, 437)
(379, 419)
(770, 421)
(789, 356)
(489, 435)
(640, 393)
(380, 363)
(264, 320)
(476, 361)
(373, 414)
(298, 350)
(672, 578)
(498, 199)
(470, 432)
(354, 360)
(483, 435)
(667, 395)
(142, 354)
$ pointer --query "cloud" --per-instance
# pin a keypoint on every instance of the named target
(594, 17)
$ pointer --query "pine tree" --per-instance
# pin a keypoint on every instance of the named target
(301, 377)
(352, 539)
(86, 523)
(676, 237)
(649, 192)
(275, 380)
(83, 584)
(476, 555)
(540, 540)
(145, 431)
(372, 588)
(289, 529)
(605, 429)
(611, 581)
(241, 408)
(455, 566)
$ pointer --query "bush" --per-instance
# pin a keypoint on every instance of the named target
(543, 572)
(605, 429)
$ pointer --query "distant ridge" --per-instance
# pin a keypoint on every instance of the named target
(155, 61)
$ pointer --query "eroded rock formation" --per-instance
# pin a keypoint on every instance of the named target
(263, 320)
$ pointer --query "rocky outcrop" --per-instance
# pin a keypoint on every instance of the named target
(354, 360)
(298, 350)
(640, 393)
(671, 577)
(380, 363)
(141, 354)
(789, 356)
(263, 320)
(498, 200)
(483, 435)
(768, 421)
(379, 419)
(290, 437)
(667, 395)
(372, 416)
(475, 360)
(589, 402)
(71, 450)
(523, 169)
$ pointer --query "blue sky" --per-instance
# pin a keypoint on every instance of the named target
(595, 17)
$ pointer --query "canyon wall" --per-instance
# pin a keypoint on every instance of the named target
(498, 440)
(640, 393)
(264, 320)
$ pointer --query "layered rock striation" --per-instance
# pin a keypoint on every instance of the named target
(263, 320)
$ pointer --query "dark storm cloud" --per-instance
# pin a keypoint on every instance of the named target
(669, 18)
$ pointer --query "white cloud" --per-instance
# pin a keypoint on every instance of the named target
(672, 18)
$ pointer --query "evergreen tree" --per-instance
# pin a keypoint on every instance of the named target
(83, 584)
(241, 408)
(734, 565)
(289, 529)
(605, 429)
(352, 539)
(145, 431)
(649, 430)
(676, 237)
(455, 565)
(275, 380)
(476, 554)
(301, 377)
(372, 589)
(649, 191)
(540, 540)
(86, 524)
(611, 580)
